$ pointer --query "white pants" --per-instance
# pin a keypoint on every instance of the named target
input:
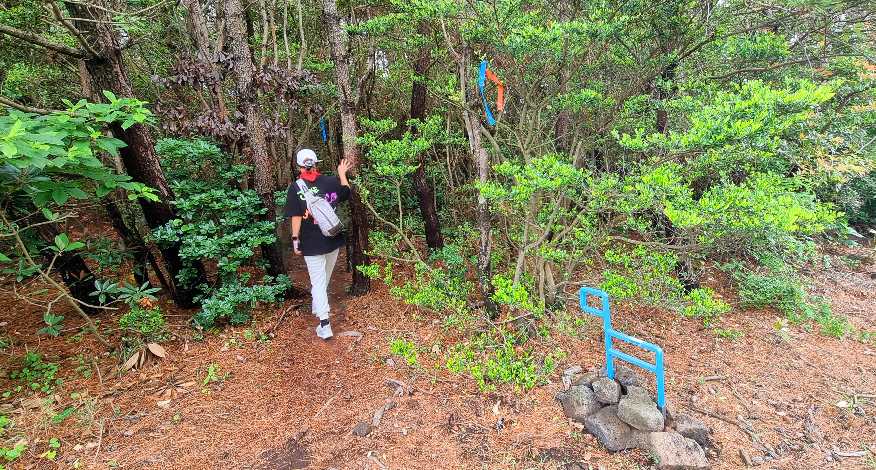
(320, 268)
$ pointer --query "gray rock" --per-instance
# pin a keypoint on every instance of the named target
(606, 390)
(673, 451)
(638, 394)
(362, 429)
(640, 412)
(625, 376)
(578, 403)
(572, 370)
(586, 379)
(692, 428)
(378, 416)
(608, 429)
(638, 439)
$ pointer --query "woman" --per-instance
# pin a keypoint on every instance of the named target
(320, 252)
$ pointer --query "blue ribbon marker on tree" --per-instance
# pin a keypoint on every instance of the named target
(322, 121)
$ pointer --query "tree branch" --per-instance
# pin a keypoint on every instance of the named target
(691, 247)
(41, 41)
(53, 7)
(27, 109)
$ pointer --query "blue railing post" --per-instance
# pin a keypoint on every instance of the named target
(611, 352)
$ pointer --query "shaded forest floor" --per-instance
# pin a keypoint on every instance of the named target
(292, 401)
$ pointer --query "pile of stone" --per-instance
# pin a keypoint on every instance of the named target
(621, 414)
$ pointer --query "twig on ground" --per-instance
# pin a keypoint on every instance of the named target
(326, 405)
(747, 427)
(274, 329)
(374, 459)
(99, 442)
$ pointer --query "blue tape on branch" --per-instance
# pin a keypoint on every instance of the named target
(611, 352)
(482, 76)
(322, 121)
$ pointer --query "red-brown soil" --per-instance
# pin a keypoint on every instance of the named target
(292, 402)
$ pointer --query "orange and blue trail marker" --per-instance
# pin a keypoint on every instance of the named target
(500, 99)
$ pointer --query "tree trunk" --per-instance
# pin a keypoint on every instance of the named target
(425, 195)
(108, 72)
(359, 227)
(197, 29)
(263, 172)
(481, 162)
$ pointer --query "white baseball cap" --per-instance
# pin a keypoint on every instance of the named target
(307, 158)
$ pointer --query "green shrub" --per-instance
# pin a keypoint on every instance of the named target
(704, 305)
(148, 321)
(219, 225)
(38, 375)
(786, 292)
(489, 362)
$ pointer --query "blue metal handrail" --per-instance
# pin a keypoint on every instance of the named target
(611, 353)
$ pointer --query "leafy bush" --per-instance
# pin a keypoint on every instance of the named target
(146, 320)
(435, 289)
(38, 375)
(489, 362)
(218, 225)
(641, 273)
(704, 305)
(786, 292)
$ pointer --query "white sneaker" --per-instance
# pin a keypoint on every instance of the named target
(324, 332)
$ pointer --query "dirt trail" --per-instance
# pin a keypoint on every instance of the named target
(293, 402)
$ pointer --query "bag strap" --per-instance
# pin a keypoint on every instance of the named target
(309, 198)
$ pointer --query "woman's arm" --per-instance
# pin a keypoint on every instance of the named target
(296, 230)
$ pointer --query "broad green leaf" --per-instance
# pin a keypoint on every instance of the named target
(109, 95)
(60, 196)
(9, 149)
(77, 193)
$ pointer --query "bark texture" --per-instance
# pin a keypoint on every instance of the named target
(108, 72)
(263, 171)
(359, 226)
(481, 160)
(425, 195)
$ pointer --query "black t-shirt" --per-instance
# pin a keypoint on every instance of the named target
(311, 240)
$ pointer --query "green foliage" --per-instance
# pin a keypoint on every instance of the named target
(148, 321)
(785, 291)
(642, 274)
(704, 305)
(39, 153)
(218, 224)
(53, 324)
(489, 362)
(36, 374)
(124, 292)
(433, 288)
(730, 333)
(404, 349)
(11, 454)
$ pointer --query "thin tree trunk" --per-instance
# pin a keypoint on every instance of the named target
(359, 227)
(425, 195)
(481, 162)
(263, 172)
(197, 29)
(108, 72)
